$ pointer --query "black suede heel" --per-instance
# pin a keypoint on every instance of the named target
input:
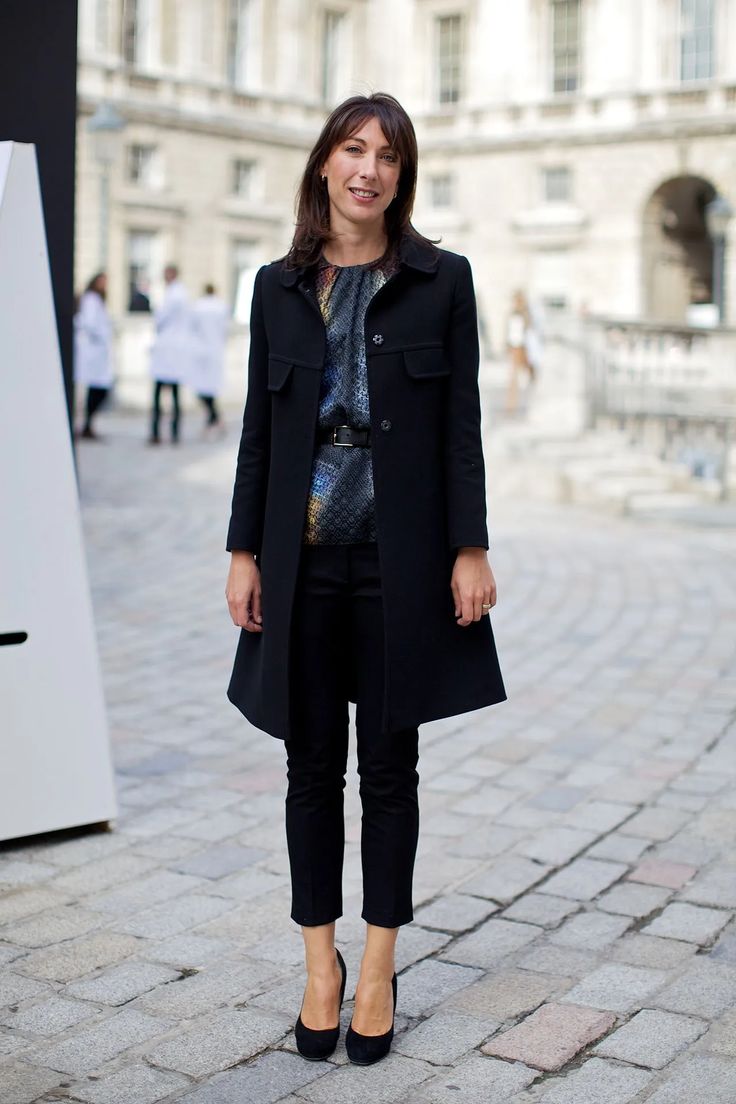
(364, 1050)
(318, 1045)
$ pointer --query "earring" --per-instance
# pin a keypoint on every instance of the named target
(323, 179)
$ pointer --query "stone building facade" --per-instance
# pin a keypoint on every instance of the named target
(569, 147)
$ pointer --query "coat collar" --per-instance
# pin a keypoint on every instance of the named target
(412, 252)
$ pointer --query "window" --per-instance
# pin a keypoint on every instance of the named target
(102, 23)
(140, 165)
(332, 41)
(565, 45)
(557, 184)
(441, 190)
(237, 42)
(243, 267)
(136, 27)
(696, 39)
(449, 30)
(142, 262)
(243, 177)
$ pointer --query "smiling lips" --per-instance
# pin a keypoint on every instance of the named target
(363, 194)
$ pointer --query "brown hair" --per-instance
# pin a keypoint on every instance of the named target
(313, 203)
(92, 284)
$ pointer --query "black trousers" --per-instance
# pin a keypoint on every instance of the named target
(95, 398)
(156, 413)
(213, 415)
(337, 655)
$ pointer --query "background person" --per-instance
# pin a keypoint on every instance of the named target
(210, 323)
(93, 351)
(520, 339)
(171, 351)
(358, 525)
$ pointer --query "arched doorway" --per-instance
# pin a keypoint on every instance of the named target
(677, 249)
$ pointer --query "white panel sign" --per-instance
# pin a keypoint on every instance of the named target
(55, 769)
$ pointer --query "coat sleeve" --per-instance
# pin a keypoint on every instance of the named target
(464, 466)
(251, 474)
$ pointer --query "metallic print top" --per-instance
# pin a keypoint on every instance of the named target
(340, 506)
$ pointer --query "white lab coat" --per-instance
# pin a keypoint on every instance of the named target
(210, 322)
(171, 352)
(92, 342)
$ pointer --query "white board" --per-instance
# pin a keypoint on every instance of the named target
(55, 767)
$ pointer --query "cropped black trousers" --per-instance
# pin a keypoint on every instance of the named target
(337, 656)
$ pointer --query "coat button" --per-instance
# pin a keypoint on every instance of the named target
(385, 425)
(378, 339)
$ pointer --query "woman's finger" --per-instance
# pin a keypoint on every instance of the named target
(257, 611)
(466, 612)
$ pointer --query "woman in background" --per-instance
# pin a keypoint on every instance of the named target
(520, 340)
(93, 351)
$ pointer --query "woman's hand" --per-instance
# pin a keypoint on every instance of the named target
(243, 592)
(472, 584)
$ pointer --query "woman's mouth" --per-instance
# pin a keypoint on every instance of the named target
(363, 195)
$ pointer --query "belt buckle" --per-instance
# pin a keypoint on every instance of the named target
(341, 444)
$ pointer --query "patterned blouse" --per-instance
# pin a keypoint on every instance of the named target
(340, 506)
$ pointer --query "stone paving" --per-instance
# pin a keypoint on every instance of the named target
(574, 939)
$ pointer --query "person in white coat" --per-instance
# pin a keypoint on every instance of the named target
(210, 323)
(171, 351)
(93, 351)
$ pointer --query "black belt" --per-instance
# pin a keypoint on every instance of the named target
(347, 436)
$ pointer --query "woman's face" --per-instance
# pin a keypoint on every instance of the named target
(362, 176)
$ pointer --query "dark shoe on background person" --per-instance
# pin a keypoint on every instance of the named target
(318, 1045)
(153, 440)
(364, 1050)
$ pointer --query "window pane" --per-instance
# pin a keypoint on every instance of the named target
(441, 190)
(243, 178)
(449, 30)
(331, 36)
(237, 42)
(243, 255)
(102, 24)
(130, 31)
(556, 184)
(141, 248)
(565, 45)
(140, 164)
(696, 39)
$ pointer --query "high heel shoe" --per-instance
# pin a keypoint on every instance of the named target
(318, 1045)
(364, 1050)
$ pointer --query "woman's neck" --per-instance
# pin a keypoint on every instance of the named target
(348, 248)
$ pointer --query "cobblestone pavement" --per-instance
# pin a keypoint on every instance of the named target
(574, 940)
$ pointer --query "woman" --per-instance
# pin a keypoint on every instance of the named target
(358, 539)
(520, 340)
(93, 351)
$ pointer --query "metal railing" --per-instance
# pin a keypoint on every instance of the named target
(669, 387)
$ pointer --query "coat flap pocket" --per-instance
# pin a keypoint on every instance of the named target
(426, 363)
(278, 373)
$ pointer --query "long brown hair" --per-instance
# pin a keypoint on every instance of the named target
(92, 285)
(313, 202)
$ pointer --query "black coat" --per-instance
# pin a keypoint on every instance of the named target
(421, 342)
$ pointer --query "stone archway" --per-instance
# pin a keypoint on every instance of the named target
(677, 249)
